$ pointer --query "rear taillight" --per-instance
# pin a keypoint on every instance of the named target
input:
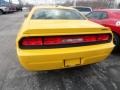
(62, 41)
(30, 41)
(103, 37)
(52, 40)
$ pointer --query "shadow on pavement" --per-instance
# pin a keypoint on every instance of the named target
(100, 76)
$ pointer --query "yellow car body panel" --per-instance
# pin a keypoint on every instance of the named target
(59, 58)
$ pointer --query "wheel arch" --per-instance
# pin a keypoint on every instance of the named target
(1, 10)
(115, 33)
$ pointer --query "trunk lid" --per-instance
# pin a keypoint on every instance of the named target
(63, 27)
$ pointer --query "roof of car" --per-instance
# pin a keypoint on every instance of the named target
(81, 6)
(107, 10)
(53, 6)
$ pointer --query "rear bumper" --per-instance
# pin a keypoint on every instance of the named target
(49, 59)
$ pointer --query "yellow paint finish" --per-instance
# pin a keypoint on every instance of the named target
(59, 58)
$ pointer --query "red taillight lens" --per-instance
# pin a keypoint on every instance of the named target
(75, 39)
(103, 37)
(52, 40)
(48, 41)
(90, 38)
(30, 41)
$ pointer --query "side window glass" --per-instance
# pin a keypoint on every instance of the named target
(104, 15)
(90, 15)
(94, 15)
(97, 15)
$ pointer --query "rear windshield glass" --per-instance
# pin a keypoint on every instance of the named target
(57, 14)
(82, 9)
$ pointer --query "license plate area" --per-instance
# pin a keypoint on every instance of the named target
(72, 62)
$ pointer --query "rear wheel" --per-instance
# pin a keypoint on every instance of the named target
(1, 12)
(116, 42)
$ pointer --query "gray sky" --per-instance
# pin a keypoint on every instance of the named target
(44, 1)
(15, 1)
(37, 1)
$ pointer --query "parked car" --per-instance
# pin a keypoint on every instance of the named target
(56, 37)
(12, 8)
(83, 9)
(3, 9)
(108, 18)
(19, 7)
(7, 9)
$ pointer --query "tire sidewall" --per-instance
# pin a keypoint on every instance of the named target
(1, 12)
(116, 42)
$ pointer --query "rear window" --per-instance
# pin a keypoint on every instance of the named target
(82, 9)
(57, 14)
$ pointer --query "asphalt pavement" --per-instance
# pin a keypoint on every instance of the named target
(100, 76)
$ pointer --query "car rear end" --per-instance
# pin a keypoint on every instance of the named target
(58, 44)
(116, 20)
(4, 9)
(55, 50)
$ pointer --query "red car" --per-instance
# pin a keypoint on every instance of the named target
(109, 18)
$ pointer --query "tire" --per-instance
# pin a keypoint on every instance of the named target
(1, 12)
(116, 40)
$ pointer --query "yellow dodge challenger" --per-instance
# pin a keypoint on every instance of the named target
(56, 37)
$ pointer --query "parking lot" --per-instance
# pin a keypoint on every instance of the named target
(100, 76)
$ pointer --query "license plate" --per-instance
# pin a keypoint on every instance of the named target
(72, 62)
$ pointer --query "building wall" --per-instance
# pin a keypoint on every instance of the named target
(2, 2)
